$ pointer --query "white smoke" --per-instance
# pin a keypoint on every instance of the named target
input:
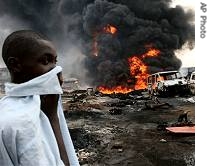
(71, 59)
(186, 55)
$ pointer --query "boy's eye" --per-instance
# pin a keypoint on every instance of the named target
(45, 60)
(48, 58)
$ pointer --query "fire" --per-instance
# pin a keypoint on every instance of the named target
(107, 29)
(117, 89)
(110, 29)
(138, 70)
(151, 53)
(136, 66)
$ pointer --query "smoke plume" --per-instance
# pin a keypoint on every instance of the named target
(140, 24)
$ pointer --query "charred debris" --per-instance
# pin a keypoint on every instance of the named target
(105, 127)
(119, 103)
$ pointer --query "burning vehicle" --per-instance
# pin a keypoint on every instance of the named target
(167, 83)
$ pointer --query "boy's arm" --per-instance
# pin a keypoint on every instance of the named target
(49, 105)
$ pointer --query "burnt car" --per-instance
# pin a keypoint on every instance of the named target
(167, 83)
(192, 83)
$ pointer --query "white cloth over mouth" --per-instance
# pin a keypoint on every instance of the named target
(26, 136)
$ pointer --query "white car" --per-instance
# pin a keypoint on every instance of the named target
(192, 83)
(167, 83)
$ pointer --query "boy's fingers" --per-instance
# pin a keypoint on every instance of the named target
(60, 78)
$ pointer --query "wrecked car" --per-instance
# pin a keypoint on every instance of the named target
(167, 83)
(192, 83)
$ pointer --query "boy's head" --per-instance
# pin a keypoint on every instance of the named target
(27, 55)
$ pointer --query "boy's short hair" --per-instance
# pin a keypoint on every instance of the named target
(21, 43)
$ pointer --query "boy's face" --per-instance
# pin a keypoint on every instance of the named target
(41, 61)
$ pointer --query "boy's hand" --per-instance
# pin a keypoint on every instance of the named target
(60, 78)
(49, 104)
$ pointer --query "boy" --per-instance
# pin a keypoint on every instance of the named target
(33, 130)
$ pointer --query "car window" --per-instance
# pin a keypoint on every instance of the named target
(150, 79)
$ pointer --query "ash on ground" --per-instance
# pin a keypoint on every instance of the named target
(130, 129)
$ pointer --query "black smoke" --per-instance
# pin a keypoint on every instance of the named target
(40, 15)
(139, 23)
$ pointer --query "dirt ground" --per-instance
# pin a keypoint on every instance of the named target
(113, 131)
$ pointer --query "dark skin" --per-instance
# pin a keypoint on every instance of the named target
(24, 69)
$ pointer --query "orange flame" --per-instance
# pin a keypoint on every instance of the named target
(110, 29)
(138, 70)
(151, 53)
(106, 29)
(117, 89)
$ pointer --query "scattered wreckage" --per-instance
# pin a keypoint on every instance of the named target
(107, 125)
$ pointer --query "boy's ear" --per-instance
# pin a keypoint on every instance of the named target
(14, 65)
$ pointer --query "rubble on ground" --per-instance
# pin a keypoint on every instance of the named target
(129, 129)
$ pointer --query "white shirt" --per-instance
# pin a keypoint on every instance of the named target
(26, 136)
